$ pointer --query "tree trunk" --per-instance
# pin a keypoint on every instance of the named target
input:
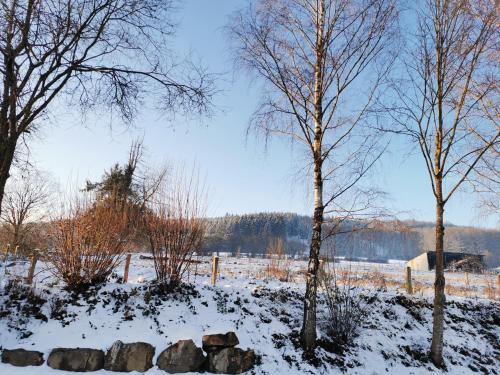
(439, 297)
(7, 149)
(308, 334)
(309, 324)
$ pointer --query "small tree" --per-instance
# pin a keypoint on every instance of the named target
(120, 183)
(25, 205)
(175, 228)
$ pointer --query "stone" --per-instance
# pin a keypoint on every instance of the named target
(231, 361)
(21, 357)
(137, 356)
(183, 356)
(79, 359)
(211, 343)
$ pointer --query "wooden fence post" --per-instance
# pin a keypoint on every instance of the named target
(215, 266)
(409, 287)
(127, 266)
(31, 273)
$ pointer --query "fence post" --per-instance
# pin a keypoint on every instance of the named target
(409, 287)
(127, 266)
(498, 282)
(15, 252)
(31, 273)
(215, 266)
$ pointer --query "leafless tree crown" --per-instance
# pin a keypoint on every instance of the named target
(447, 94)
(322, 70)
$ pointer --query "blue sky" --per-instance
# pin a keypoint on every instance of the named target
(241, 174)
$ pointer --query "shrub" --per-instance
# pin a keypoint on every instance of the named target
(345, 310)
(88, 242)
(175, 230)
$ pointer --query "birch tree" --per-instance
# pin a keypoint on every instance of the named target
(321, 64)
(97, 54)
(445, 79)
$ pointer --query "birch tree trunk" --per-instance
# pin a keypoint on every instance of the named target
(439, 284)
(438, 312)
(309, 323)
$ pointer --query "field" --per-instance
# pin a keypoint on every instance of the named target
(264, 311)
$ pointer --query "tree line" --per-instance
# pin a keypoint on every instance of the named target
(250, 234)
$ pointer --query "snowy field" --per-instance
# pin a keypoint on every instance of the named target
(264, 312)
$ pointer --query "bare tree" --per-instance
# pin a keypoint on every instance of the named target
(96, 53)
(445, 77)
(174, 226)
(322, 64)
(26, 203)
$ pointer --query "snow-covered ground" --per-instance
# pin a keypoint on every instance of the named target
(264, 312)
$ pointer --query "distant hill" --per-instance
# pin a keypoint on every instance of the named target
(381, 240)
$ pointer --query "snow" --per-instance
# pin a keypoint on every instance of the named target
(264, 313)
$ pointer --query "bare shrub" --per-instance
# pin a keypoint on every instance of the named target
(175, 229)
(279, 264)
(88, 242)
(345, 310)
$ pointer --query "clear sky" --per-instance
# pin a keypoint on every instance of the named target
(242, 175)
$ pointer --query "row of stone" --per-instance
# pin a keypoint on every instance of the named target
(184, 356)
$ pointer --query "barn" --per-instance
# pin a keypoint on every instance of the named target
(452, 260)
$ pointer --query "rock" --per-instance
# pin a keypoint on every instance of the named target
(79, 359)
(21, 357)
(183, 356)
(231, 361)
(137, 356)
(219, 341)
